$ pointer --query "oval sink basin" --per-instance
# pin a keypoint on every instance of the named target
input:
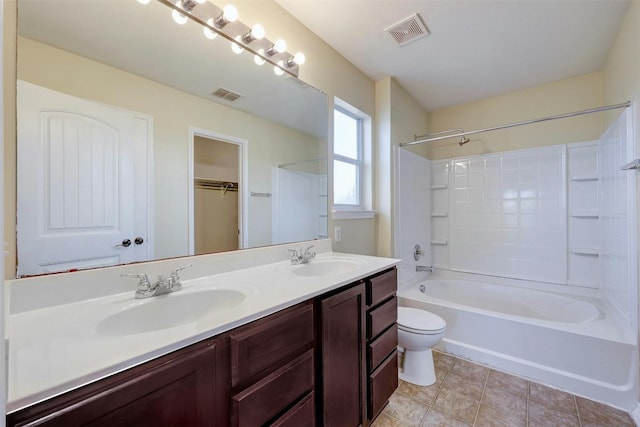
(167, 311)
(326, 267)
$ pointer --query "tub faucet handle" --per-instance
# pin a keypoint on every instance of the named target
(417, 252)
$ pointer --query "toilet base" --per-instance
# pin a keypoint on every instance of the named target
(418, 368)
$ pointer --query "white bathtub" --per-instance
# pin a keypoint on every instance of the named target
(576, 343)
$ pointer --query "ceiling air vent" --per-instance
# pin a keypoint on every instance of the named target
(226, 94)
(408, 30)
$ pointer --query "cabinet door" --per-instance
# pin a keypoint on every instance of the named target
(343, 362)
(188, 387)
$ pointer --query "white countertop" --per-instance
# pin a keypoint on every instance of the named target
(55, 349)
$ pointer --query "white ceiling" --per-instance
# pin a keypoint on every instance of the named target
(477, 48)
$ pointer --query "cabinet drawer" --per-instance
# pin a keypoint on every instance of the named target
(382, 383)
(381, 287)
(265, 399)
(263, 343)
(382, 346)
(302, 414)
(382, 317)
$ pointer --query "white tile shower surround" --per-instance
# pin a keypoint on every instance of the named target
(508, 214)
(617, 213)
(583, 236)
(296, 205)
(412, 221)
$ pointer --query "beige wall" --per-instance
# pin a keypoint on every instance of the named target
(622, 69)
(563, 96)
(399, 116)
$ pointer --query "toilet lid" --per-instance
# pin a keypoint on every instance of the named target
(419, 320)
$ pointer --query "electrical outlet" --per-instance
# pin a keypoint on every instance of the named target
(337, 234)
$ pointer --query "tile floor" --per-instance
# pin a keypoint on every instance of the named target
(468, 394)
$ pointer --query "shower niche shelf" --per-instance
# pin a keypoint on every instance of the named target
(582, 178)
(440, 242)
(439, 214)
(439, 187)
(585, 214)
(583, 260)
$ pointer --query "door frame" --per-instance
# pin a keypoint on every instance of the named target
(243, 183)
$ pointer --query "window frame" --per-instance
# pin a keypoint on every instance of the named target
(358, 162)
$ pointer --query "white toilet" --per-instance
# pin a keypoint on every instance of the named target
(418, 331)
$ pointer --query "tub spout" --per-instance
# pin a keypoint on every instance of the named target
(423, 268)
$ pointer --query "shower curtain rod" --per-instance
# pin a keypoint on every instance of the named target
(526, 122)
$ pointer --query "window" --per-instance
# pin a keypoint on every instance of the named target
(347, 159)
(352, 175)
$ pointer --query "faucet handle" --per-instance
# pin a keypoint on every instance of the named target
(174, 279)
(294, 253)
(309, 254)
(175, 272)
(144, 284)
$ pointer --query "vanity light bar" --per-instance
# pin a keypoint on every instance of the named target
(213, 19)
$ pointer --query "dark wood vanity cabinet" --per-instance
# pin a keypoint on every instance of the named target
(358, 350)
(342, 367)
(186, 388)
(330, 361)
(272, 369)
(382, 341)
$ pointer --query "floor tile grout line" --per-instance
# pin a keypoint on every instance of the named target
(575, 401)
(484, 387)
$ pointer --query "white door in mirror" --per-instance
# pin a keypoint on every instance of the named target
(82, 190)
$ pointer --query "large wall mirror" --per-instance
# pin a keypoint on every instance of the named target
(124, 146)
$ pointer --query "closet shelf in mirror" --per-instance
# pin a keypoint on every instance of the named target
(213, 184)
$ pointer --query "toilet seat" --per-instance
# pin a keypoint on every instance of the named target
(418, 321)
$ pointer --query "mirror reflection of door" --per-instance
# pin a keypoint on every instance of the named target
(82, 183)
(215, 195)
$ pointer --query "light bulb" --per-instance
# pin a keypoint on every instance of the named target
(280, 45)
(257, 32)
(144, 1)
(208, 33)
(299, 58)
(278, 70)
(258, 59)
(200, 1)
(230, 13)
(236, 47)
(178, 17)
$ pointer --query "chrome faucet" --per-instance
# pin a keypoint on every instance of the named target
(163, 285)
(423, 268)
(304, 257)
